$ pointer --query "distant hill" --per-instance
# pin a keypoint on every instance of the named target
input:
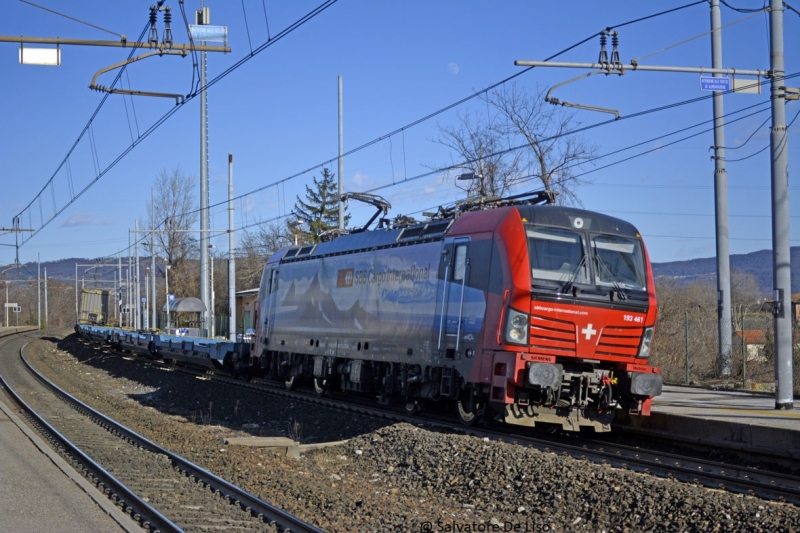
(759, 264)
(64, 269)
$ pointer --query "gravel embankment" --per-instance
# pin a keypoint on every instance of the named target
(389, 477)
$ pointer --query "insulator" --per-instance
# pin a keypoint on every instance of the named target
(153, 31)
(167, 37)
(615, 51)
(167, 30)
(603, 59)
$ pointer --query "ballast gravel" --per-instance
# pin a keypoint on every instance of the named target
(388, 477)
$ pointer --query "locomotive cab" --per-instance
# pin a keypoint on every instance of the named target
(578, 337)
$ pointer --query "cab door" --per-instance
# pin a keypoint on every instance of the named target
(452, 310)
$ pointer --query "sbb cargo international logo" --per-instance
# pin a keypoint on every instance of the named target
(344, 278)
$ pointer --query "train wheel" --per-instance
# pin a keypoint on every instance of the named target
(321, 386)
(469, 411)
(289, 383)
(413, 407)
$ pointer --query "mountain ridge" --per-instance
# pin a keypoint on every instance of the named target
(758, 264)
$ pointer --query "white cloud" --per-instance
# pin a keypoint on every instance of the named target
(248, 204)
(360, 179)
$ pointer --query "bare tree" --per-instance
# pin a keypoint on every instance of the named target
(256, 246)
(521, 139)
(553, 153)
(175, 213)
(477, 143)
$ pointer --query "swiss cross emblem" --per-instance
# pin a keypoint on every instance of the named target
(589, 331)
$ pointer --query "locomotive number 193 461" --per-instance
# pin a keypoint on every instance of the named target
(632, 318)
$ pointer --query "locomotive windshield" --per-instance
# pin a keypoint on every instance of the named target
(557, 255)
(562, 258)
(620, 262)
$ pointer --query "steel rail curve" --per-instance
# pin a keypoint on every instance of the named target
(150, 518)
(153, 519)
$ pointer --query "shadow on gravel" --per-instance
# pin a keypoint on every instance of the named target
(224, 409)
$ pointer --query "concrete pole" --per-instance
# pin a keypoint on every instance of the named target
(205, 292)
(166, 291)
(77, 314)
(39, 288)
(118, 296)
(231, 258)
(721, 205)
(147, 300)
(138, 320)
(46, 315)
(211, 316)
(128, 294)
(341, 159)
(781, 264)
(153, 323)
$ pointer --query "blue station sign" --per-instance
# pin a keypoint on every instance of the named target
(209, 33)
(709, 83)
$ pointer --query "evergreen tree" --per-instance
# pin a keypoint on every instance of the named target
(320, 211)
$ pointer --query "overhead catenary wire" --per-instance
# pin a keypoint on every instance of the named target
(449, 107)
(72, 18)
(195, 63)
(522, 180)
(440, 111)
(162, 119)
(581, 129)
(247, 27)
(286, 31)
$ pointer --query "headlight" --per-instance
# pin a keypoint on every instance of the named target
(517, 327)
(647, 341)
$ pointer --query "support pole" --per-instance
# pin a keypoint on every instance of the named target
(781, 264)
(77, 314)
(721, 205)
(202, 17)
(153, 318)
(46, 315)
(137, 322)
(231, 258)
(341, 159)
(39, 288)
(686, 318)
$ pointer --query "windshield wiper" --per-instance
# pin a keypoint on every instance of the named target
(617, 289)
(568, 286)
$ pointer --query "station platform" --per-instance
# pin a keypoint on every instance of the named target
(4, 332)
(39, 491)
(739, 420)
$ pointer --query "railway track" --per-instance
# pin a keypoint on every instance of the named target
(160, 490)
(770, 485)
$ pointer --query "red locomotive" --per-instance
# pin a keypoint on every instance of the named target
(533, 314)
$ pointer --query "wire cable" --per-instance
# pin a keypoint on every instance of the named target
(288, 30)
(247, 27)
(324, 6)
(72, 18)
(743, 10)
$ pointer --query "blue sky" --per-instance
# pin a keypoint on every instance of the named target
(400, 61)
